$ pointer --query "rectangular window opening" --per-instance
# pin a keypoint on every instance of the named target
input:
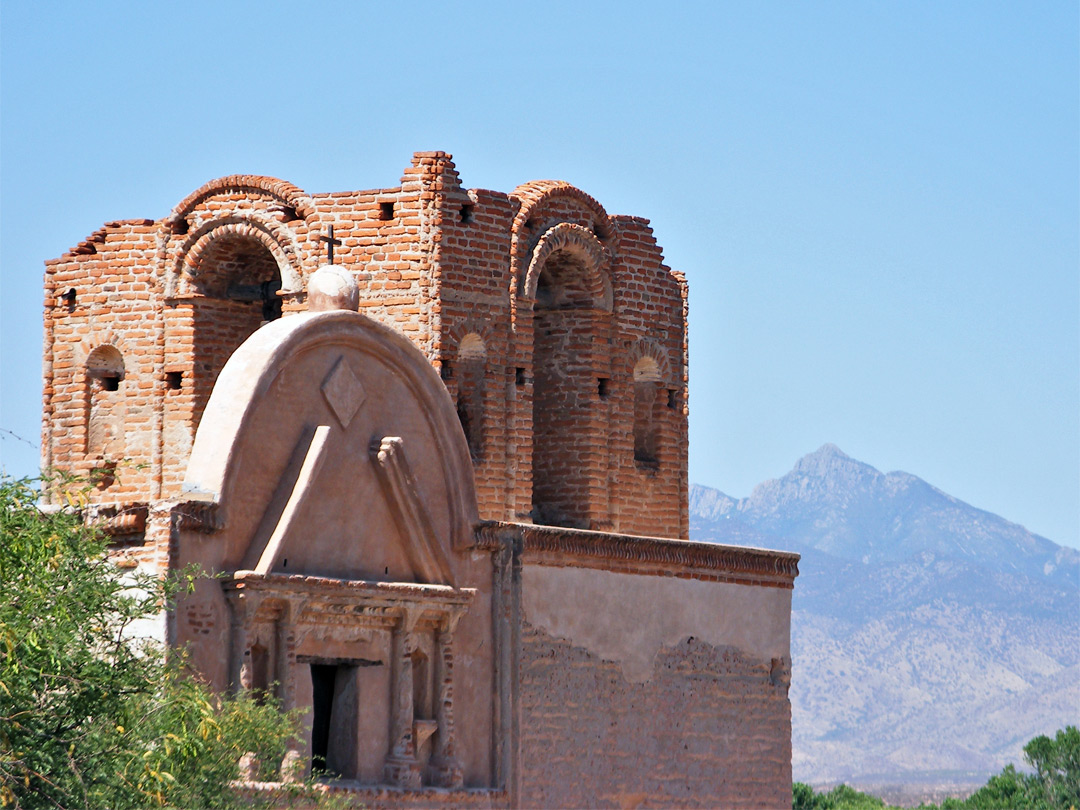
(174, 380)
(519, 376)
(466, 214)
(603, 387)
(672, 398)
(386, 211)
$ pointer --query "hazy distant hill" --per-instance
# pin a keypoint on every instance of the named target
(930, 639)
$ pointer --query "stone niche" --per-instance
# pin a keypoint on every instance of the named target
(341, 543)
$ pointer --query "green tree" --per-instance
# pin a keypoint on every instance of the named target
(89, 716)
(1055, 784)
(841, 797)
(1057, 768)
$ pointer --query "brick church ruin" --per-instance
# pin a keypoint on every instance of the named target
(430, 441)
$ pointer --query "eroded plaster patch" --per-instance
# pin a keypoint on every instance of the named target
(628, 619)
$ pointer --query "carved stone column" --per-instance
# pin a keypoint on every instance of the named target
(445, 768)
(402, 768)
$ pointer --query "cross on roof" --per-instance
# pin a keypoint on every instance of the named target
(330, 242)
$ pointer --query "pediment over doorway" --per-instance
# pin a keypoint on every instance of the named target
(332, 449)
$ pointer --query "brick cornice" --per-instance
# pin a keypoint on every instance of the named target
(547, 545)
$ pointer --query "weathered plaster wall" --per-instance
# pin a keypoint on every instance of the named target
(644, 691)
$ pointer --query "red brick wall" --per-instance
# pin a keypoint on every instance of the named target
(710, 729)
(433, 260)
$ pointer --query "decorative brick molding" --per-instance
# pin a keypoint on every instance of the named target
(543, 545)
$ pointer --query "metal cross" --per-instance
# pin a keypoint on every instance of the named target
(330, 242)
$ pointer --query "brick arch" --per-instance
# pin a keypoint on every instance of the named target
(581, 243)
(534, 197)
(104, 404)
(289, 194)
(470, 342)
(472, 347)
(272, 235)
(535, 194)
(647, 348)
(470, 326)
(105, 359)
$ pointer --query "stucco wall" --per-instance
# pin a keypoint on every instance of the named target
(645, 691)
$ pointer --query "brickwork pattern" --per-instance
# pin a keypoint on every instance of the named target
(563, 298)
(711, 729)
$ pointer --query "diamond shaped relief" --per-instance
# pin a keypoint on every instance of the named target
(343, 392)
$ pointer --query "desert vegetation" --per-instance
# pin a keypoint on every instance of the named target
(90, 715)
(1052, 784)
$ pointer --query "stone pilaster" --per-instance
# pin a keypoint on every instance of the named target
(445, 768)
(402, 768)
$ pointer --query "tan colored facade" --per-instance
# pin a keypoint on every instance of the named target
(400, 504)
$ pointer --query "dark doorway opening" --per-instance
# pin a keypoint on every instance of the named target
(323, 678)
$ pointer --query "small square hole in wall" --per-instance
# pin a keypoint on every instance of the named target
(466, 214)
(179, 227)
(386, 211)
(174, 380)
(519, 376)
(68, 300)
(447, 370)
(603, 387)
(672, 398)
(110, 382)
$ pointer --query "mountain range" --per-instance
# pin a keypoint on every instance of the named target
(930, 639)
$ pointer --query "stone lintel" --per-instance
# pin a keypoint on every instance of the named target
(375, 594)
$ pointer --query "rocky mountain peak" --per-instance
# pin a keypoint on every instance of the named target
(845, 507)
(929, 638)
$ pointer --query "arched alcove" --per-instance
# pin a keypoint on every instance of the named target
(648, 401)
(105, 407)
(471, 390)
(234, 281)
(571, 319)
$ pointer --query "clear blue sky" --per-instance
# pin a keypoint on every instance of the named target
(876, 204)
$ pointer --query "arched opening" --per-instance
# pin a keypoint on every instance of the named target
(647, 412)
(236, 284)
(471, 369)
(105, 408)
(569, 322)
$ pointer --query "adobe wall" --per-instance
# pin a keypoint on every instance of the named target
(657, 683)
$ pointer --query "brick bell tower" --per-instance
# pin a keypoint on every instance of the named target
(557, 329)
